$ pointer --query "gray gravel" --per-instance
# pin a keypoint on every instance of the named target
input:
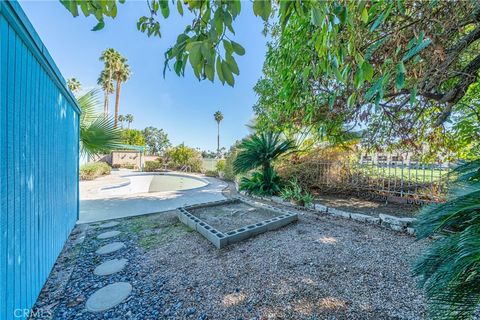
(321, 267)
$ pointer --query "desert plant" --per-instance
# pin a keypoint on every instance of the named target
(260, 150)
(448, 269)
(90, 171)
(261, 183)
(151, 166)
(295, 193)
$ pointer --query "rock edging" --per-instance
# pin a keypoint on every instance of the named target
(399, 224)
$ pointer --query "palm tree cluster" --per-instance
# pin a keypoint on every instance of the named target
(128, 118)
(115, 70)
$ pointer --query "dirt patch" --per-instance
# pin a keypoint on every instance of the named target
(359, 205)
(228, 217)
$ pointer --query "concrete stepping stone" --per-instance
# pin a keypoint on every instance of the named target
(108, 234)
(111, 247)
(108, 296)
(110, 267)
(109, 224)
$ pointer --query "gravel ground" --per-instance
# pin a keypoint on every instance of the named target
(321, 267)
(232, 216)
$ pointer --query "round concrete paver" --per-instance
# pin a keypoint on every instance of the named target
(108, 296)
(110, 267)
(108, 234)
(111, 247)
(109, 224)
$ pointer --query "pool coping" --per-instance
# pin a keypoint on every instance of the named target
(126, 183)
(221, 239)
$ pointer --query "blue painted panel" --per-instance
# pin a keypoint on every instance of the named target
(39, 137)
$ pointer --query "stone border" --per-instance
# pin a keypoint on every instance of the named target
(222, 239)
(400, 224)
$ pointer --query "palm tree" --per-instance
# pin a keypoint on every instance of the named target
(218, 117)
(121, 74)
(129, 119)
(74, 85)
(448, 269)
(107, 86)
(260, 150)
(97, 133)
(121, 119)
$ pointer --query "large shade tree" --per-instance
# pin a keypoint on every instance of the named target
(156, 140)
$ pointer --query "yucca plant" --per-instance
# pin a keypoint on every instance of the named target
(449, 269)
(259, 151)
(97, 131)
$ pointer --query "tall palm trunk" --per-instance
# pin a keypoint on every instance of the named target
(105, 104)
(218, 138)
(117, 100)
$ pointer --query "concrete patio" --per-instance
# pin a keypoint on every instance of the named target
(98, 206)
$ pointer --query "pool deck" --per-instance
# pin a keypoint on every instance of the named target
(97, 206)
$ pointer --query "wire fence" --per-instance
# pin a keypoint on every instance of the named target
(410, 181)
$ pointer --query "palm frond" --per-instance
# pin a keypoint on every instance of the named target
(97, 131)
(449, 270)
(260, 150)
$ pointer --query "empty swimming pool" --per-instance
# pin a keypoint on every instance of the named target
(143, 183)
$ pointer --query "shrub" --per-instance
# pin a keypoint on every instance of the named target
(151, 166)
(211, 173)
(220, 165)
(261, 183)
(91, 171)
(229, 173)
(295, 193)
(182, 155)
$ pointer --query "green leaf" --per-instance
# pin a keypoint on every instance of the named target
(218, 19)
(232, 64)
(180, 7)
(237, 48)
(365, 15)
(100, 25)
(399, 80)
(317, 16)
(377, 22)
(165, 8)
(227, 73)
(262, 8)
(415, 50)
(227, 46)
(195, 54)
(359, 78)
(367, 71)
(218, 66)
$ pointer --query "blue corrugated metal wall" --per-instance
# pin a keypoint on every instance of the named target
(39, 128)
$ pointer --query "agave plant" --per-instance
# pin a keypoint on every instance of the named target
(449, 269)
(259, 151)
(97, 132)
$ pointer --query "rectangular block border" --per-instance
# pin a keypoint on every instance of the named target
(221, 239)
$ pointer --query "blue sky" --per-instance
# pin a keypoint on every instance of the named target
(183, 107)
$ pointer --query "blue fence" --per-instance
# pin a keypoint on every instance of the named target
(39, 128)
